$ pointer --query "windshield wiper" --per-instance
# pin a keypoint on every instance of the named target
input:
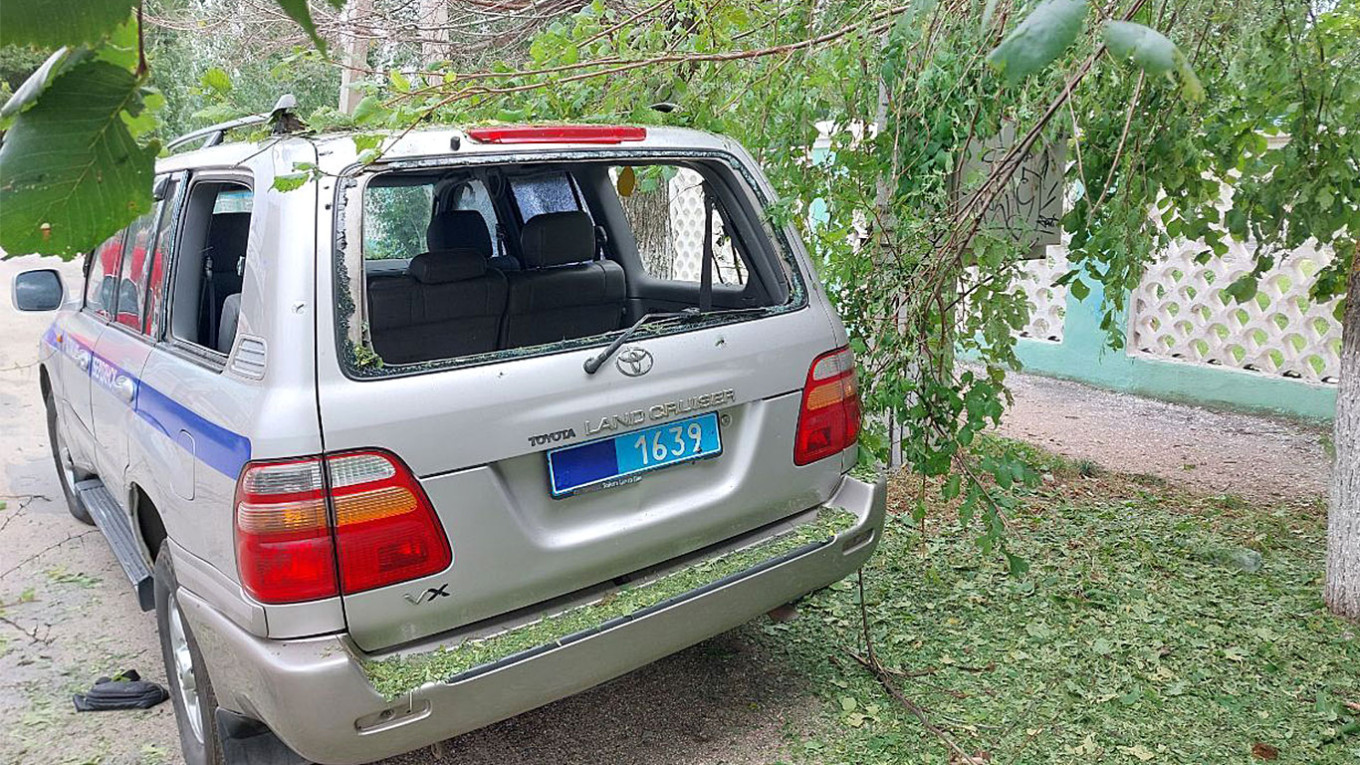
(594, 363)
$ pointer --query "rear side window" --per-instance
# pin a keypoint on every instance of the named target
(664, 205)
(540, 194)
(101, 279)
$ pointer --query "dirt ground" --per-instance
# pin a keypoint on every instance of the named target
(1252, 456)
(67, 615)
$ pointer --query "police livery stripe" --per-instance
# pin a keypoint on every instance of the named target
(213, 445)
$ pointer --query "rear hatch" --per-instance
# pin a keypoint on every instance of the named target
(474, 438)
(478, 438)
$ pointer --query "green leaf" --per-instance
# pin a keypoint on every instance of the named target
(1079, 289)
(1044, 34)
(1016, 565)
(1146, 47)
(216, 80)
(120, 46)
(290, 181)
(54, 23)
(399, 81)
(369, 109)
(952, 487)
(73, 173)
(56, 64)
(297, 11)
(1242, 289)
(365, 141)
(1152, 52)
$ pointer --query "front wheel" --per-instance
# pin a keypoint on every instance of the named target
(191, 691)
(67, 474)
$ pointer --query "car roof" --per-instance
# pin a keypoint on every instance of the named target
(334, 152)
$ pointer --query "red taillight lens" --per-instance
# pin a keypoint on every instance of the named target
(606, 134)
(385, 530)
(283, 540)
(828, 422)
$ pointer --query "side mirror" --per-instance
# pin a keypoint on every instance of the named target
(38, 290)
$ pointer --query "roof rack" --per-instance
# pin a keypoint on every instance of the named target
(213, 134)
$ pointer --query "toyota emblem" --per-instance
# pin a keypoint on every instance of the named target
(634, 362)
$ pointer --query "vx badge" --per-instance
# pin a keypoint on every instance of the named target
(441, 592)
(634, 362)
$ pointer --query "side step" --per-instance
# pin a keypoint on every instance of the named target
(118, 530)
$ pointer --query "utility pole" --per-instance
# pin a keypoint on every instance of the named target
(353, 53)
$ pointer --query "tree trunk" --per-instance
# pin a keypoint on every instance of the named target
(434, 43)
(1342, 590)
(353, 54)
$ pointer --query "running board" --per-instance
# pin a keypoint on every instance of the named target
(118, 530)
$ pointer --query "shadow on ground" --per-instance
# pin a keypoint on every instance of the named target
(727, 700)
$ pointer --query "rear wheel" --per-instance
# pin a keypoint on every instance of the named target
(67, 474)
(191, 691)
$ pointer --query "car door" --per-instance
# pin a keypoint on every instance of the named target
(121, 352)
(77, 336)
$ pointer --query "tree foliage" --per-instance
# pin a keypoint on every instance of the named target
(1159, 104)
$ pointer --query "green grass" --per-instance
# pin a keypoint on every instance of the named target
(1140, 634)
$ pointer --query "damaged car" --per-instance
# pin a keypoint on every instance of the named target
(429, 441)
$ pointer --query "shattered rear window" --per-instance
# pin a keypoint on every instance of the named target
(555, 254)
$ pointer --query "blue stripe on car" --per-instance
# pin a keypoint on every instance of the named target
(217, 447)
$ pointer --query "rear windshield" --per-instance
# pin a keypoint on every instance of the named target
(472, 263)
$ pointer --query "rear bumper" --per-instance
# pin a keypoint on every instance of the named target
(315, 696)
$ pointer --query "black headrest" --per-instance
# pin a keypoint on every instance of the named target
(227, 235)
(447, 266)
(458, 230)
(557, 238)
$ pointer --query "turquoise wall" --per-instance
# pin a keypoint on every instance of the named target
(1083, 355)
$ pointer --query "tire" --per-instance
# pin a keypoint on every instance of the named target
(196, 708)
(67, 473)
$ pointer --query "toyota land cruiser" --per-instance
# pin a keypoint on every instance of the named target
(428, 441)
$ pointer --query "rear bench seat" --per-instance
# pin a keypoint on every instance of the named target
(562, 293)
(448, 304)
(451, 302)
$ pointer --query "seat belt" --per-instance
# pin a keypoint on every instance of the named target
(210, 293)
(601, 242)
(706, 268)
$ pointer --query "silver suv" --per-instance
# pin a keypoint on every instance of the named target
(399, 448)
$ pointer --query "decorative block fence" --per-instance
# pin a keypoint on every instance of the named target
(1187, 340)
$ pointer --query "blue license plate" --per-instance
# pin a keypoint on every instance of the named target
(573, 468)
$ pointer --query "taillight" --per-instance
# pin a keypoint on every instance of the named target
(601, 134)
(288, 549)
(828, 422)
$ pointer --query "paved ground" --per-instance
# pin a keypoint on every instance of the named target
(67, 615)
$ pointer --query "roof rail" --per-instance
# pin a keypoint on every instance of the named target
(213, 134)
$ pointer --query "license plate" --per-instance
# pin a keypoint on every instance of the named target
(573, 468)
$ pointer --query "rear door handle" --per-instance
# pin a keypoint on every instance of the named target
(125, 388)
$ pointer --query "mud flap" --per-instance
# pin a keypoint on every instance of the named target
(251, 742)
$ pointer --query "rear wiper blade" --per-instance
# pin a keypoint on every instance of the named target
(594, 363)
